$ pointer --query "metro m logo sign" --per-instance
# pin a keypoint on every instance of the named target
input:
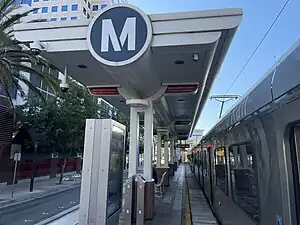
(119, 35)
(109, 34)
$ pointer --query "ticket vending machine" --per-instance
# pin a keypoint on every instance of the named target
(102, 173)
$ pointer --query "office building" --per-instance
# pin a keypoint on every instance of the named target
(58, 10)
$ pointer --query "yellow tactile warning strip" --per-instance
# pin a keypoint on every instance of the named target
(188, 220)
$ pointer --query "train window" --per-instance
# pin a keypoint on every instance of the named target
(221, 169)
(244, 179)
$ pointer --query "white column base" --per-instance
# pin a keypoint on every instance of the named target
(133, 142)
(148, 142)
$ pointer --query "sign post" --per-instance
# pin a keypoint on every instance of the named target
(17, 158)
(15, 148)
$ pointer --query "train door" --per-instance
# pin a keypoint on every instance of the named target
(221, 171)
(222, 203)
(295, 155)
(201, 175)
(198, 166)
(211, 175)
(207, 173)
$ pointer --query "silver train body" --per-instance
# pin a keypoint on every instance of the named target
(248, 164)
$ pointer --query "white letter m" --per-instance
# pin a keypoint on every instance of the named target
(109, 33)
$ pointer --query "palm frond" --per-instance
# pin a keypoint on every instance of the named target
(5, 63)
(6, 81)
(47, 78)
(10, 52)
(30, 85)
(4, 4)
(22, 55)
(13, 19)
(18, 55)
(18, 87)
(37, 21)
(7, 94)
(9, 9)
(5, 76)
(10, 41)
(19, 58)
(4, 39)
(6, 87)
(14, 60)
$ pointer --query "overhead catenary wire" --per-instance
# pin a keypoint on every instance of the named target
(257, 47)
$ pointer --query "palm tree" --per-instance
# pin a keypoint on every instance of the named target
(15, 59)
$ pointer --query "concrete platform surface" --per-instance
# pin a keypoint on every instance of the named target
(171, 209)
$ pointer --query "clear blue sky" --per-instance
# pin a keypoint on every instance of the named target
(258, 16)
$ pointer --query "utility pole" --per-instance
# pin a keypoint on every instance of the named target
(223, 99)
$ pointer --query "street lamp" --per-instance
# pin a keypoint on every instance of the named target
(223, 99)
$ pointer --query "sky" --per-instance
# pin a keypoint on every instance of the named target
(258, 16)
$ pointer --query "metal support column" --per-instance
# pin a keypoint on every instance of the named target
(158, 163)
(154, 149)
(166, 148)
(175, 156)
(175, 151)
(134, 142)
(172, 151)
(171, 162)
(148, 142)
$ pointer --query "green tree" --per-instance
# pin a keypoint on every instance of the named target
(61, 120)
(74, 107)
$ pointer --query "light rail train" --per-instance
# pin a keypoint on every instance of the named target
(248, 164)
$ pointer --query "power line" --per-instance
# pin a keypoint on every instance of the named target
(257, 47)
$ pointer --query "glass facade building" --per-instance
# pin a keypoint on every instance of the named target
(57, 10)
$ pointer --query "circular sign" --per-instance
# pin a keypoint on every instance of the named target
(119, 35)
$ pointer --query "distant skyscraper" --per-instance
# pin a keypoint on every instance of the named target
(54, 10)
(119, 1)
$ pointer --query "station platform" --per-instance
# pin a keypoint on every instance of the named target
(183, 203)
(200, 211)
